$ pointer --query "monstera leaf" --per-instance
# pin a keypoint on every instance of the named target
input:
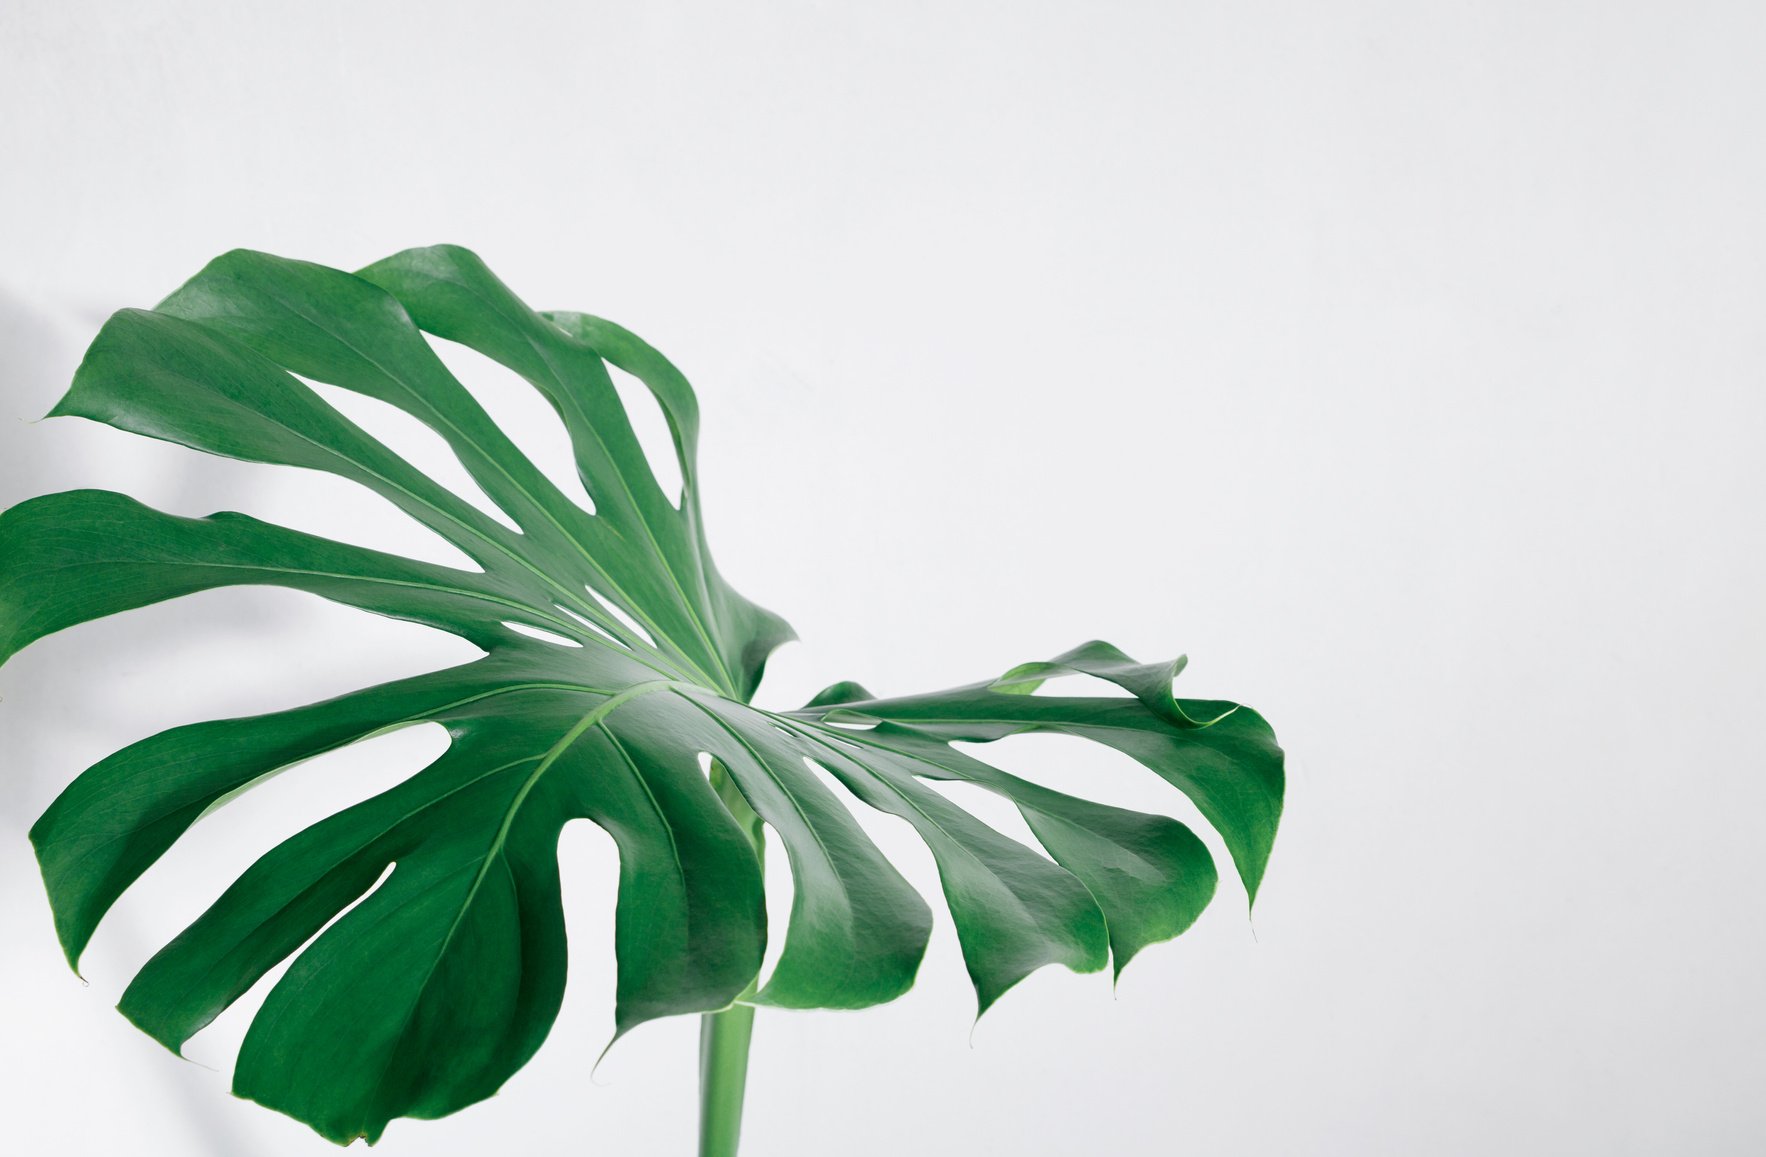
(615, 658)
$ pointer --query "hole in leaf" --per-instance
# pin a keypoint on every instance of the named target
(840, 739)
(217, 1043)
(781, 893)
(1072, 685)
(829, 779)
(270, 809)
(589, 871)
(314, 502)
(776, 882)
(543, 636)
(893, 835)
(996, 812)
(625, 619)
(221, 845)
(521, 411)
(426, 451)
(591, 625)
(655, 436)
(1080, 767)
(216, 654)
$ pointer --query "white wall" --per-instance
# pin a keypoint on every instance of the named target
(1402, 363)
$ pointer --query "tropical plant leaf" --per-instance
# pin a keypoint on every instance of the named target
(433, 987)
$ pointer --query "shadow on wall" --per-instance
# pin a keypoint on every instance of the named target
(33, 352)
(38, 354)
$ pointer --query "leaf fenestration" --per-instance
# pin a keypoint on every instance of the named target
(446, 967)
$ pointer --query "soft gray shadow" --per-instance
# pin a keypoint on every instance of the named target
(37, 357)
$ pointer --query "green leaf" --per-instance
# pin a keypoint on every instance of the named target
(434, 955)
(1230, 767)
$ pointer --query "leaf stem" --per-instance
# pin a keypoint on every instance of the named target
(724, 1036)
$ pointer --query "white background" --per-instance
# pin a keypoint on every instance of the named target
(1399, 362)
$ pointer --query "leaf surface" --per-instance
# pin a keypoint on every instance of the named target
(426, 923)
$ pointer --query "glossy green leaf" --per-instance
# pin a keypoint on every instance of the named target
(434, 954)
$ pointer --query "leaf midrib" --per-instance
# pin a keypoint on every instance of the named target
(494, 853)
